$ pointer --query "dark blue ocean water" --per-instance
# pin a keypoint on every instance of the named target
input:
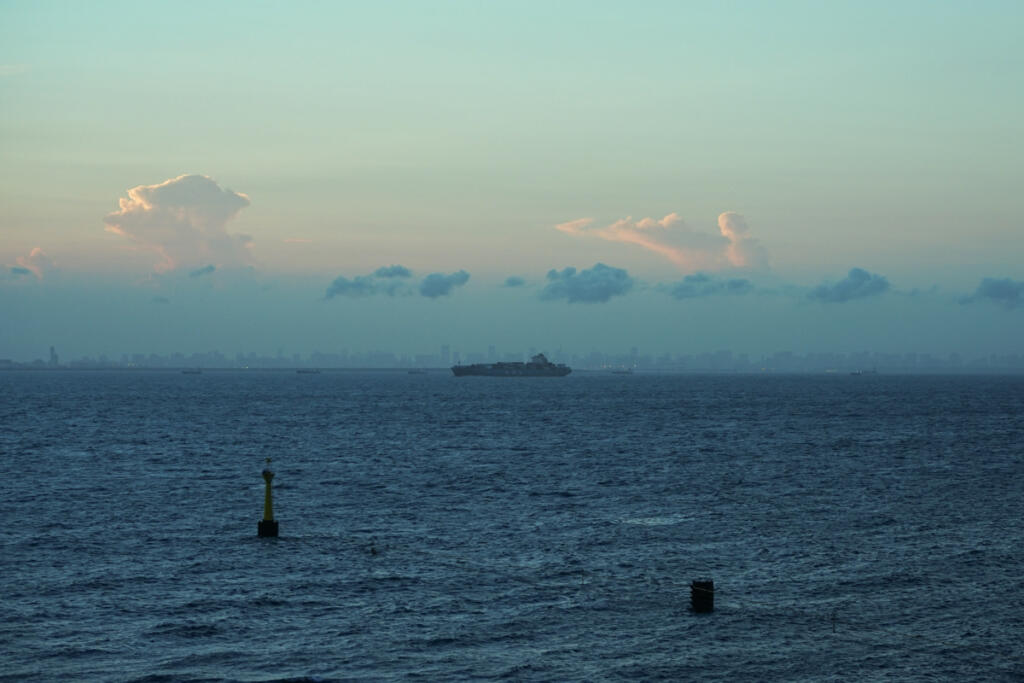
(434, 528)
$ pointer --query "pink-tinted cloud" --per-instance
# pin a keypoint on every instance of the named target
(743, 251)
(37, 262)
(576, 227)
(672, 239)
(184, 221)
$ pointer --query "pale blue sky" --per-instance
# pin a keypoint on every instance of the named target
(456, 136)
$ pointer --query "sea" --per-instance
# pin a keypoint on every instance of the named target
(433, 528)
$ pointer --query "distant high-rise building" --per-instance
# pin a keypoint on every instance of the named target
(446, 355)
(54, 359)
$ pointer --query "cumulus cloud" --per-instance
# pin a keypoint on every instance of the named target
(743, 251)
(37, 263)
(514, 281)
(184, 221)
(672, 239)
(393, 271)
(439, 284)
(390, 280)
(361, 285)
(858, 284)
(598, 284)
(702, 284)
(205, 270)
(1003, 291)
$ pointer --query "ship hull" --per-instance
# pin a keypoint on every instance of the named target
(481, 370)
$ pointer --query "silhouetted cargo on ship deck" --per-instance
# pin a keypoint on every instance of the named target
(539, 366)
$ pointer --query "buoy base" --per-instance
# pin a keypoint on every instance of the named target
(268, 528)
(702, 596)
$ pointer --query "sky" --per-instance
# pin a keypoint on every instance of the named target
(680, 177)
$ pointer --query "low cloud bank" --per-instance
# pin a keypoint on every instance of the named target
(514, 281)
(184, 221)
(205, 270)
(391, 281)
(701, 285)
(393, 271)
(596, 285)
(439, 284)
(361, 285)
(858, 284)
(1003, 291)
(672, 239)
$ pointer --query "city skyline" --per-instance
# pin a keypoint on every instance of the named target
(723, 360)
(681, 178)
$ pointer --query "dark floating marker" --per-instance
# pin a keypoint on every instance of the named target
(702, 596)
(268, 526)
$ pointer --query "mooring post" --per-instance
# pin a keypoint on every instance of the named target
(268, 525)
(702, 596)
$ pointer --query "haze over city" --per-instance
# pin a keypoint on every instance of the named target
(681, 178)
